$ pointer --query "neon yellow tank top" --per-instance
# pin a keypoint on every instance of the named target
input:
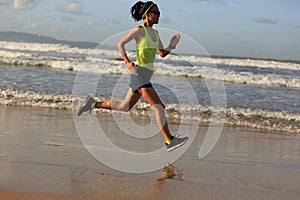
(146, 50)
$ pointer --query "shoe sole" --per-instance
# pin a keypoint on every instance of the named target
(178, 145)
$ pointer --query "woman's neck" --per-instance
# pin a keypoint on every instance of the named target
(148, 23)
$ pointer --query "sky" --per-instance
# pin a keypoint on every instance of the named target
(244, 28)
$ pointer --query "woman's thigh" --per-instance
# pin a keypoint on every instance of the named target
(131, 98)
(151, 96)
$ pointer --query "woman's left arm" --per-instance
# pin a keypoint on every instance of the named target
(173, 42)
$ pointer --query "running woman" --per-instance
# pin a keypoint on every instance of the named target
(148, 44)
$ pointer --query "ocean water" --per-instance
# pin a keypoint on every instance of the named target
(262, 94)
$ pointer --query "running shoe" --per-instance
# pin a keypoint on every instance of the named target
(88, 105)
(176, 142)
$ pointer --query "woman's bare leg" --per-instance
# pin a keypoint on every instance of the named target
(126, 105)
(153, 99)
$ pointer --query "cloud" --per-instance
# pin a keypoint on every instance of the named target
(74, 7)
(23, 4)
(3, 2)
(265, 20)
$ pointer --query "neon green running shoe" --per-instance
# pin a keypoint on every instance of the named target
(176, 142)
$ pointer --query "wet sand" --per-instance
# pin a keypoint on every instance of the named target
(42, 157)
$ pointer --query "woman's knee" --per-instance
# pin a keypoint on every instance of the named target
(124, 107)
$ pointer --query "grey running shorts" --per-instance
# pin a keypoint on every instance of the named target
(140, 79)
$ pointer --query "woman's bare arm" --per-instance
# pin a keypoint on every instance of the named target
(133, 34)
(173, 42)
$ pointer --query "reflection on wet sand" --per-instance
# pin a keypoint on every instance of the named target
(41, 156)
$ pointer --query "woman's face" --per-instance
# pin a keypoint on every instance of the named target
(153, 14)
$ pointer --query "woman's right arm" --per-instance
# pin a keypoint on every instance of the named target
(133, 34)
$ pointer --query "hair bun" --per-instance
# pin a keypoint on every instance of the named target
(138, 9)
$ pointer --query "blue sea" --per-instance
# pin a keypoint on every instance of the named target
(259, 93)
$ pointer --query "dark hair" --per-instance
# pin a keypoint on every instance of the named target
(138, 9)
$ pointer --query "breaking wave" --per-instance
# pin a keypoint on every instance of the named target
(243, 71)
(252, 118)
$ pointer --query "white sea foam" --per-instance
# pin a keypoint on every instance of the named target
(57, 48)
(194, 60)
(229, 75)
(253, 118)
(34, 99)
(105, 61)
(269, 64)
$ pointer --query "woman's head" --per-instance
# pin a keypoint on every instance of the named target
(141, 9)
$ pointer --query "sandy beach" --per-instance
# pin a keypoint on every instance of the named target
(42, 157)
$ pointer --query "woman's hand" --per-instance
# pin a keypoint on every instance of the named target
(131, 67)
(174, 41)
